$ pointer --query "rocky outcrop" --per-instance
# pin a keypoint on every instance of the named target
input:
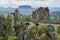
(41, 15)
(15, 17)
(2, 27)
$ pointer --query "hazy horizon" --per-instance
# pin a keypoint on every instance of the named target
(33, 3)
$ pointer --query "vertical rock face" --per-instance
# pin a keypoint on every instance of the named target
(15, 17)
(58, 19)
(2, 31)
(12, 18)
(41, 15)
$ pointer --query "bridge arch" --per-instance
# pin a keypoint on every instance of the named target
(51, 28)
(58, 29)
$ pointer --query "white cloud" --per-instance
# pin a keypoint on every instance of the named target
(30, 0)
(34, 3)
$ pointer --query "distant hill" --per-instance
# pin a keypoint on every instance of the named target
(24, 6)
(55, 11)
(5, 11)
(25, 9)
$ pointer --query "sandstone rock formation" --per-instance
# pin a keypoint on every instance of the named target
(41, 15)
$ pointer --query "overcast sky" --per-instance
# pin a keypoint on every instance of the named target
(33, 3)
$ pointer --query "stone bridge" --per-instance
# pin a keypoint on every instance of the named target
(55, 26)
(46, 24)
